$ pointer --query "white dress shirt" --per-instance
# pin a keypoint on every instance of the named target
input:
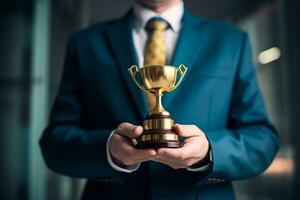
(142, 15)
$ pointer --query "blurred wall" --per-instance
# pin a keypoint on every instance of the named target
(14, 89)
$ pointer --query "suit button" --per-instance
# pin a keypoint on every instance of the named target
(214, 181)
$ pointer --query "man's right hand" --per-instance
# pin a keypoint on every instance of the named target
(122, 146)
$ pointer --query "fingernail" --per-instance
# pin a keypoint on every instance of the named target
(136, 128)
(154, 153)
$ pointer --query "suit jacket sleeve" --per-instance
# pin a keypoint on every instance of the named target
(67, 147)
(249, 144)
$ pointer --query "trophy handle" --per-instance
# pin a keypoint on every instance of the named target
(133, 70)
(182, 70)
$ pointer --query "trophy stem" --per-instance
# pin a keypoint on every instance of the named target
(158, 108)
(158, 104)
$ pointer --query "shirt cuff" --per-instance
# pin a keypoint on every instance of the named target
(199, 169)
(127, 169)
(205, 167)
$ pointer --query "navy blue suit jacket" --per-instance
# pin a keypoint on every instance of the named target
(220, 95)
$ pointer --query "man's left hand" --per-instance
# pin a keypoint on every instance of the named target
(194, 148)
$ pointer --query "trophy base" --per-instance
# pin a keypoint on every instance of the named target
(157, 145)
(158, 138)
(158, 133)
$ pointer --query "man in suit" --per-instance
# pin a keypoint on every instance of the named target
(94, 121)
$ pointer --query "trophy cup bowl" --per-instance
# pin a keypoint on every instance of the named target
(158, 125)
(159, 77)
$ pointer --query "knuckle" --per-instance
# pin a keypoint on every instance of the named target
(127, 162)
(152, 153)
(188, 163)
(185, 163)
(181, 157)
(114, 139)
(194, 126)
(119, 128)
(122, 125)
(196, 129)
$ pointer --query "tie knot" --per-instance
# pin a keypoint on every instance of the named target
(157, 24)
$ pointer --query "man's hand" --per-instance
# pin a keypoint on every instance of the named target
(194, 148)
(122, 146)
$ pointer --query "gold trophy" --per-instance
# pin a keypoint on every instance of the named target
(158, 125)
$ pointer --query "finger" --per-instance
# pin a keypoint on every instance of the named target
(180, 160)
(141, 154)
(128, 154)
(117, 144)
(171, 154)
(189, 162)
(187, 130)
(124, 139)
(120, 139)
(129, 130)
(188, 150)
(130, 161)
(120, 144)
(129, 150)
(195, 147)
(181, 164)
(169, 163)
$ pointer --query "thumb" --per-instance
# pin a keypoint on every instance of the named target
(187, 130)
(129, 130)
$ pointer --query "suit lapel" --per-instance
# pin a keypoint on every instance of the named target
(189, 47)
(188, 41)
(120, 38)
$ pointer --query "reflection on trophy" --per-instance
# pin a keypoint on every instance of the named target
(158, 125)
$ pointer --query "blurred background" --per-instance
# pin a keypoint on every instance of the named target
(33, 35)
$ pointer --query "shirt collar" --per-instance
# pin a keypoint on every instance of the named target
(172, 15)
